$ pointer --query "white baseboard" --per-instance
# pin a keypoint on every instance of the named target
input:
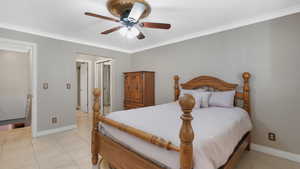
(276, 152)
(56, 130)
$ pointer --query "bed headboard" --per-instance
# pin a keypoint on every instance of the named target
(219, 85)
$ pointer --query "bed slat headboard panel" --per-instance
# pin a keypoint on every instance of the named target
(217, 84)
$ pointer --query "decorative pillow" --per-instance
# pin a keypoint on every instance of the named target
(205, 96)
(222, 99)
(195, 94)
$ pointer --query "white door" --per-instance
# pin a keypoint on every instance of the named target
(100, 84)
(106, 85)
(84, 87)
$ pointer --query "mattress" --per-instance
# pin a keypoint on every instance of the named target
(217, 132)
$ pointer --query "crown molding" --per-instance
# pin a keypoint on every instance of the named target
(60, 37)
(266, 17)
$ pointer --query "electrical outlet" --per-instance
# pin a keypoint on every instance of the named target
(53, 118)
(272, 136)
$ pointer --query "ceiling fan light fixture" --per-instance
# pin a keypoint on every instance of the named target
(129, 12)
(129, 32)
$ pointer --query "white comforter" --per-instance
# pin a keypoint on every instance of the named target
(217, 132)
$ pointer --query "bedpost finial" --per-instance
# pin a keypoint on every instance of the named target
(97, 92)
(187, 102)
(246, 75)
(96, 106)
(176, 87)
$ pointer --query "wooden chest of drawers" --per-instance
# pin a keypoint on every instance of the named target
(138, 89)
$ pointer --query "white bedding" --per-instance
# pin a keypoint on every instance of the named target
(217, 132)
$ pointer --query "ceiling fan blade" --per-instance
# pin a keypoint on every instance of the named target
(111, 30)
(140, 36)
(155, 25)
(102, 17)
(136, 11)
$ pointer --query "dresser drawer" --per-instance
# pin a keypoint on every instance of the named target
(132, 106)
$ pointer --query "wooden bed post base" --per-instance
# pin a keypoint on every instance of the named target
(187, 103)
(95, 138)
(248, 148)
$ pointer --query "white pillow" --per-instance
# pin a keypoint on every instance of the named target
(222, 99)
(205, 96)
(201, 90)
(195, 94)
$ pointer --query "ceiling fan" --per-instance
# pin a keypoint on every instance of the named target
(130, 13)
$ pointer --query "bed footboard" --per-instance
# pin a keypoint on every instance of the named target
(186, 135)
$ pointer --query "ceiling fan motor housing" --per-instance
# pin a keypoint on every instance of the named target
(122, 8)
(128, 22)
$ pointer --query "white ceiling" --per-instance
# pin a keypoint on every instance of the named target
(65, 19)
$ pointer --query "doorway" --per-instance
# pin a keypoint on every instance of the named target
(83, 89)
(23, 112)
(15, 89)
(103, 80)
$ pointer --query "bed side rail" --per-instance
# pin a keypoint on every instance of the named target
(140, 134)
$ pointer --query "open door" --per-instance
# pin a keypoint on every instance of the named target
(106, 85)
(103, 81)
(84, 87)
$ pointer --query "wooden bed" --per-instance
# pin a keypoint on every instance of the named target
(121, 157)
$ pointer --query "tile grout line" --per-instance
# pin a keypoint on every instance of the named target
(67, 153)
(35, 154)
(1, 150)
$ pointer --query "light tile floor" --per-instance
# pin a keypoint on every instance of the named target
(71, 150)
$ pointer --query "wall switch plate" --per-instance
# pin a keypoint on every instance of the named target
(272, 136)
(68, 85)
(45, 86)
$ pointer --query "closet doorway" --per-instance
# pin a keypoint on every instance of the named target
(83, 85)
(103, 80)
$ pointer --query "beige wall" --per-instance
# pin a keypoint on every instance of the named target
(14, 84)
(269, 50)
(56, 66)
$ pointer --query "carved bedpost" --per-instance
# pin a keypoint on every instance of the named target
(176, 87)
(246, 95)
(246, 90)
(96, 109)
(187, 103)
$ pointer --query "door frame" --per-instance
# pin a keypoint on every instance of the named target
(31, 48)
(99, 60)
(89, 62)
